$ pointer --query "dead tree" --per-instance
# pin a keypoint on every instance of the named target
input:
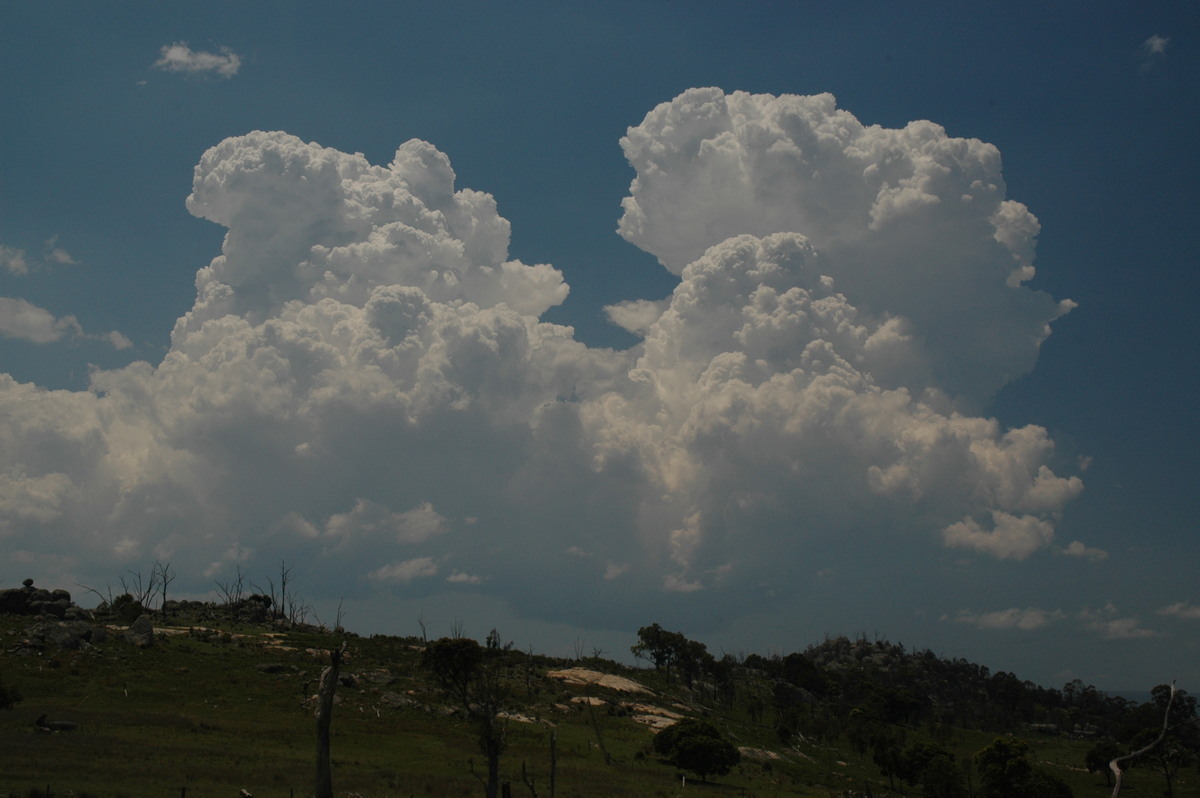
(329, 680)
(1115, 765)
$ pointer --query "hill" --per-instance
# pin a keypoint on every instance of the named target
(208, 699)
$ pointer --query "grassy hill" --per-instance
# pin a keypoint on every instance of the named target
(212, 708)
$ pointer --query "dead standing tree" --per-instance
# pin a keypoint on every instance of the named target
(1115, 765)
(329, 680)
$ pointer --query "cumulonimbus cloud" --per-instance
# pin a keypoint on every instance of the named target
(364, 379)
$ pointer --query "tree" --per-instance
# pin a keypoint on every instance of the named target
(1176, 740)
(1006, 772)
(455, 662)
(1099, 756)
(887, 752)
(697, 745)
(941, 778)
(661, 647)
(471, 674)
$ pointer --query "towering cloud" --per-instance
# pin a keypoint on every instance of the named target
(364, 381)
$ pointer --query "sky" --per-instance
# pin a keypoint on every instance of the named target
(766, 322)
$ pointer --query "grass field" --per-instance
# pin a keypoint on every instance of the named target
(200, 712)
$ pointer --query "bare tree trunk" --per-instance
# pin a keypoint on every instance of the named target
(329, 679)
(1115, 766)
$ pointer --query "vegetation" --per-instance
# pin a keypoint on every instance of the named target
(697, 745)
(224, 697)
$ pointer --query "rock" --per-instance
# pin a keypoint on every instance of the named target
(395, 700)
(72, 635)
(270, 667)
(14, 601)
(41, 724)
(378, 676)
(141, 632)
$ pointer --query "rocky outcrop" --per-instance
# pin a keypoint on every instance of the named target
(68, 635)
(31, 600)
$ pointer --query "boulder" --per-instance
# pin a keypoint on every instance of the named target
(14, 601)
(141, 632)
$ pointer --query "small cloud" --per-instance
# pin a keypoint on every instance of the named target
(614, 570)
(461, 578)
(119, 341)
(636, 316)
(1011, 537)
(178, 57)
(1155, 45)
(677, 583)
(13, 261)
(1189, 612)
(56, 254)
(405, 571)
(1077, 549)
(1102, 621)
(372, 519)
(1122, 629)
(1154, 50)
(24, 320)
(1013, 618)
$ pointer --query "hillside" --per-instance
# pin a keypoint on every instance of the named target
(213, 699)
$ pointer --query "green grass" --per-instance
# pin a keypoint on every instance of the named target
(194, 712)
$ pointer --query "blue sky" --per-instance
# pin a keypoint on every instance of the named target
(574, 485)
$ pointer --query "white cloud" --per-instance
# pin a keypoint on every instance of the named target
(1153, 50)
(24, 320)
(1107, 622)
(1077, 549)
(897, 215)
(1026, 619)
(1010, 536)
(1123, 629)
(371, 519)
(16, 262)
(57, 255)
(365, 383)
(178, 57)
(406, 571)
(1182, 610)
(1155, 45)
(118, 340)
(13, 260)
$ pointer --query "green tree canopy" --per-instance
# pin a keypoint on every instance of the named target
(1006, 772)
(697, 745)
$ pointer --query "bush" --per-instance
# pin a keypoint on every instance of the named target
(698, 746)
